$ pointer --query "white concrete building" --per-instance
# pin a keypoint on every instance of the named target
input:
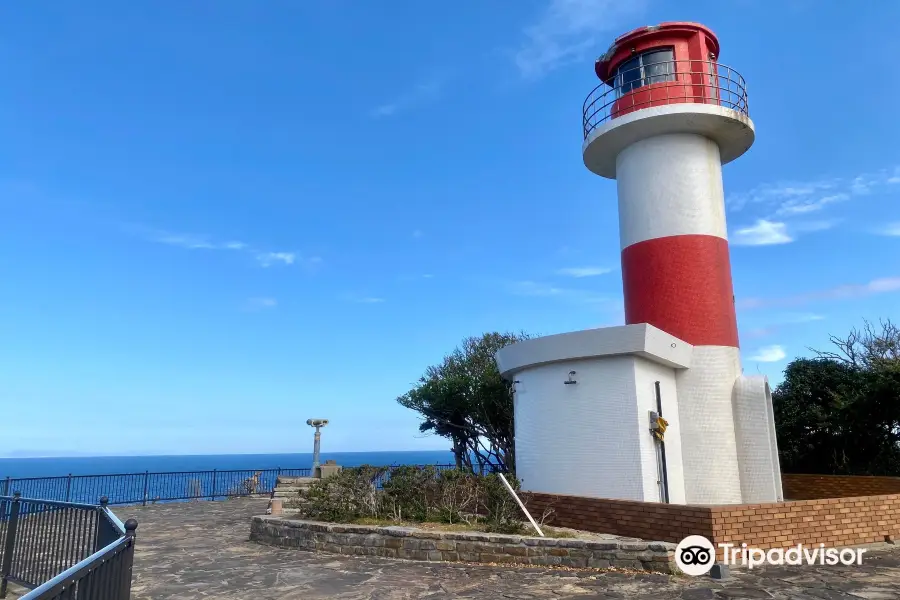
(665, 120)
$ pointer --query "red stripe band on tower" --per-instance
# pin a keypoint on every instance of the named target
(682, 285)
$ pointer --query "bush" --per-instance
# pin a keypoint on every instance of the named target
(415, 494)
(408, 492)
(347, 495)
(455, 496)
(499, 509)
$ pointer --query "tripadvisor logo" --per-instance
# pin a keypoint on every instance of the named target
(695, 555)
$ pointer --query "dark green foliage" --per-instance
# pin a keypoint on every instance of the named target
(839, 413)
(500, 510)
(347, 495)
(456, 496)
(408, 491)
(415, 494)
(465, 400)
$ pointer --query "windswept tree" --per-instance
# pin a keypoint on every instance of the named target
(465, 400)
(839, 412)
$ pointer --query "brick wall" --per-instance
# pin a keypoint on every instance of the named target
(833, 522)
(814, 487)
(645, 520)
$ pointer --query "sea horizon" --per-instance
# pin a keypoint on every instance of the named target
(60, 466)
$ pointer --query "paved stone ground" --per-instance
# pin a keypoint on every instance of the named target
(201, 550)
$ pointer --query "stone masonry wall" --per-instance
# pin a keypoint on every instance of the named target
(815, 487)
(416, 544)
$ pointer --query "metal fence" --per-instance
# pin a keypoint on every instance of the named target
(662, 83)
(175, 486)
(64, 549)
(147, 487)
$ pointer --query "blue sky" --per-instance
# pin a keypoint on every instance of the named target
(222, 218)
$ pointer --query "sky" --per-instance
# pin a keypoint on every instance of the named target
(221, 218)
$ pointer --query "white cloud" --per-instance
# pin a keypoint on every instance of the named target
(536, 289)
(187, 241)
(567, 29)
(885, 284)
(423, 92)
(584, 271)
(842, 292)
(190, 241)
(807, 204)
(762, 233)
(811, 226)
(261, 303)
(892, 229)
(768, 354)
(804, 318)
(798, 198)
(777, 324)
(267, 259)
(357, 299)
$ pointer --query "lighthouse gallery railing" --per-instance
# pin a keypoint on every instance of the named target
(668, 82)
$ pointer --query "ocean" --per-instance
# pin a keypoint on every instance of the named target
(106, 465)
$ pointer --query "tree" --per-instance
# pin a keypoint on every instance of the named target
(465, 400)
(839, 412)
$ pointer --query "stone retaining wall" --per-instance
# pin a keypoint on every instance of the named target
(417, 544)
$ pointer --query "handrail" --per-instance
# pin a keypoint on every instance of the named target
(43, 537)
(150, 487)
(664, 83)
(79, 505)
(52, 588)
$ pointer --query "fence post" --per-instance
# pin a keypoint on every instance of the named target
(10, 543)
(125, 584)
(146, 483)
(68, 486)
(6, 487)
(106, 532)
(213, 497)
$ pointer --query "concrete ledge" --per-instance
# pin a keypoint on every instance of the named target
(733, 131)
(640, 339)
(417, 544)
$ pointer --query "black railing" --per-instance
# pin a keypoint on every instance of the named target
(64, 549)
(148, 488)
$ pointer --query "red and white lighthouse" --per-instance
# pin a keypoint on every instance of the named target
(664, 120)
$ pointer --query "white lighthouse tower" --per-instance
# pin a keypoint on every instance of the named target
(664, 120)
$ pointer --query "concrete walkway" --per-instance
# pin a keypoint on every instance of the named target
(200, 550)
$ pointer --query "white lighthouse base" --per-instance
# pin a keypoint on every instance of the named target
(587, 433)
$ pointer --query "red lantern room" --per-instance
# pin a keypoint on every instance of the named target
(670, 63)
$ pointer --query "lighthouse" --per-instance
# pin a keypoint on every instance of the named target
(657, 409)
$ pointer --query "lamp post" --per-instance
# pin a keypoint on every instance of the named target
(318, 424)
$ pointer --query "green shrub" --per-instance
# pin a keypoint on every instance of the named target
(345, 496)
(415, 494)
(500, 511)
(408, 492)
(455, 496)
